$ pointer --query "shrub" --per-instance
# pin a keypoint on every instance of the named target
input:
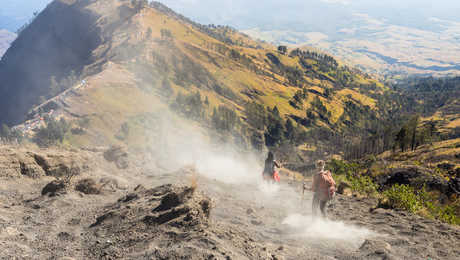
(448, 213)
(88, 186)
(421, 202)
(403, 197)
(399, 196)
(341, 167)
(349, 173)
(10, 135)
(363, 184)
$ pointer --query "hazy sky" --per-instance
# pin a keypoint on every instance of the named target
(14, 13)
(244, 14)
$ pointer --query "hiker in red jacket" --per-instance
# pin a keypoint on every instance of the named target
(270, 172)
(323, 188)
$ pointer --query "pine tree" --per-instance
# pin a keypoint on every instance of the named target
(290, 130)
(256, 115)
(414, 123)
(401, 138)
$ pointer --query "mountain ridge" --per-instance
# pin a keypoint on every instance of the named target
(147, 48)
(143, 59)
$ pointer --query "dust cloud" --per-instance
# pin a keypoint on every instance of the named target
(318, 228)
(238, 173)
(181, 143)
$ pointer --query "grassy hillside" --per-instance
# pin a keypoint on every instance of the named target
(436, 100)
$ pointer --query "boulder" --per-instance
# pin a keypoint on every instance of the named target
(88, 186)
(375, 246)
(15, 163)
(446, 166)
(164, 205)
(117, 155)
(344, 189)
(454, 185)
(61, 164)
(54, 188)
(415, 176)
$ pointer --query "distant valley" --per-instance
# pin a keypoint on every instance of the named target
(377, 47)
(391, 38)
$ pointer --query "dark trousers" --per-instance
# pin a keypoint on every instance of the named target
(318, 203)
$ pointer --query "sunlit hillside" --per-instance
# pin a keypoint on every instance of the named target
(140, 59)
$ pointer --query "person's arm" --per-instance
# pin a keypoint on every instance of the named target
(332, 179)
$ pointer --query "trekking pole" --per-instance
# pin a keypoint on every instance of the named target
(302, 199)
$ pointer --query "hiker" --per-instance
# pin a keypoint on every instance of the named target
(270, 172)
(323, 187)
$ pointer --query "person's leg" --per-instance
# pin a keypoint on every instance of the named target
(314, 205)
(266, 177)
(322, 206)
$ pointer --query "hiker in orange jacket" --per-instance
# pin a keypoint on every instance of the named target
(323, 187)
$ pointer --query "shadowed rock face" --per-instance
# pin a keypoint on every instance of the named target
(417, 177)
(61, 39)
(167, 204)
(156, 213)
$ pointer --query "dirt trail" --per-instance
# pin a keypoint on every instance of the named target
(248, 221)
(279, 217)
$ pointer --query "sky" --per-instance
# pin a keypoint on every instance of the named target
(246, 14)
(15, 13)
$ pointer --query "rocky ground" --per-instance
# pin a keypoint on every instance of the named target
(143, 212)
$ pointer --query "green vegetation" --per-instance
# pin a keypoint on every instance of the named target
(363, 184)
(398, 196)
(415, 112)
(256, 115)
(403, 197)
(9, 135)
(434, 92)
(192, 106)
(350, 174)
(421, 202)
(166, 35)
(224, 119)
(53, 133)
